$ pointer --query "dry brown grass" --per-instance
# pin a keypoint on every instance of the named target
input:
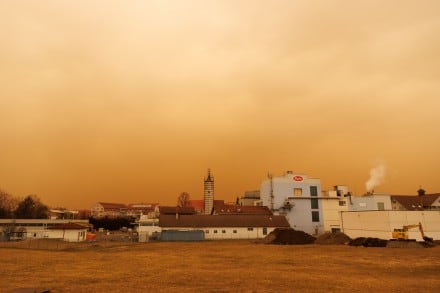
(219, 266)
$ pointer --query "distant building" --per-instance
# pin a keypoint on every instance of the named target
(370, 202)
(136, 210)
(387, 202)
(416, 203)
(105, 209)
(250, 198)
(63, 214)
(208, 192)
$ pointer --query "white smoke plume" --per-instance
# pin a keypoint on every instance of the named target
(377, 176)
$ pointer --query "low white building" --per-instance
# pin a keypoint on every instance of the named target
(17, 229)
(217, 227)
(71, 232)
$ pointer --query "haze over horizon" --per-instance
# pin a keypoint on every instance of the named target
(133, 101)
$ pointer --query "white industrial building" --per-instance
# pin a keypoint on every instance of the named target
(301, 200)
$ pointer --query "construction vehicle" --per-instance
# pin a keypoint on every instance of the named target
(402, 234)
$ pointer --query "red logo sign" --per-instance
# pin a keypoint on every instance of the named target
(298, 178)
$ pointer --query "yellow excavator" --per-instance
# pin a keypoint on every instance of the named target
(402, 234)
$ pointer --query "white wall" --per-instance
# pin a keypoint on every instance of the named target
(228, 232)
(380, 224)
(331, 211)
(68, 235)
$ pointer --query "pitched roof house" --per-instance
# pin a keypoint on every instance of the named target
(416, 203)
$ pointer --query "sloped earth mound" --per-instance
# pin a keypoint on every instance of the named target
(368, 242)
(332, 238)
(288, 236)
(410, 244)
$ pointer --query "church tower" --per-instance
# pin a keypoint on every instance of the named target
(208, 193)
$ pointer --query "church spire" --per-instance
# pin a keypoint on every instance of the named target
(208, 193)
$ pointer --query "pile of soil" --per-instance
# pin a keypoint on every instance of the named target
(368, 242)
(333, 238)
(409, 244)
(288, 236)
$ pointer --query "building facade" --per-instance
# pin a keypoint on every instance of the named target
(297, 197)
(218, 227)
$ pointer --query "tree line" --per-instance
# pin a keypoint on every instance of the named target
(29, 207)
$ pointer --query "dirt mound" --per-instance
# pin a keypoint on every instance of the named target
(368, 242)
(288, 236)
(333, 238)
(409, 244)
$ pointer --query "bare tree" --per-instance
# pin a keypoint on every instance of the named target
(8, 204)
(183, 199)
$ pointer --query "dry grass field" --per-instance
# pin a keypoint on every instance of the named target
(218, 266)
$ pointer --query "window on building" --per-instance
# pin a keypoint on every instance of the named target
(313, 190)
(206, 231)
(264, 231)
(250, 229)
(234, 231)
(223, 231)
(297, 191)
(314, 203)
(315, 216)
(380, 206)
(342, 203)
(215, 231)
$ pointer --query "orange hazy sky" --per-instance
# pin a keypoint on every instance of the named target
(132, 101)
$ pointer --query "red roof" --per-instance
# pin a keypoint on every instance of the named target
(164, 210)
(199, 204)
(248, 210)
(227, 221)
(68, 226)
(111, 206)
